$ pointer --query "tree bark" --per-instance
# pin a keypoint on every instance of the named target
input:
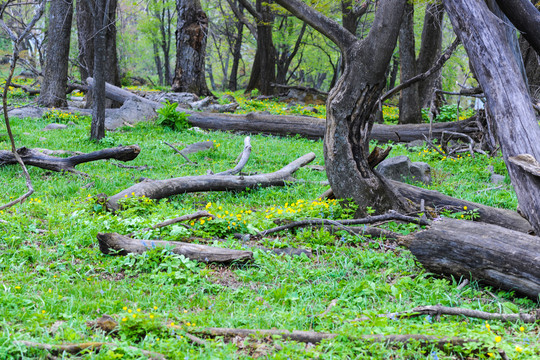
(499, 75)
(53, 90)
(191, 37)
(116, 244)
(531, 62)
(159, 189)
(97, 128)
(409, 100)
(494, 255)
(237, 52)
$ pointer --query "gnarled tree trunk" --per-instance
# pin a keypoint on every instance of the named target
(191, 37)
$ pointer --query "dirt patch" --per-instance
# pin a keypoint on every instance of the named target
(226, 277)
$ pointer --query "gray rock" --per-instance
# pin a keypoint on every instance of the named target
(182, 98)
(27, 112)
(400, 168)
(497, 179)
(414, 143)
(229, 98)
(132, 112)
(54, 126)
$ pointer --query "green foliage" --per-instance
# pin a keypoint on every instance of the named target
(172, 119)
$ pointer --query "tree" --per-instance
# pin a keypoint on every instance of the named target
(86, 17)
(487, 43)
(191, 37)
(352, 102)
(53, 90)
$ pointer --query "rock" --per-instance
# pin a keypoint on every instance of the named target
(414, 143)
(497, 179)
(54, 126)
(132, 112)
(400, 168)
(183, 98)
(297, 95)
(229, 98)
(27, 112)
(219, 108)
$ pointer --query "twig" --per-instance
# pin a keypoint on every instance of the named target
(179, 152)
(437, 310)
(462, 285)
(391, 215)
(328, 308)
(491, 188)
(197, 215)
(92, 346)
(244, 157)
(438, 64)
(196, 340)
(464, 136)
(141, 168)
(431, 145)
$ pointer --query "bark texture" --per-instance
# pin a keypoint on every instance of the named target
(191, 37)
(525, 17)
(494, 255)
(507, 95)
(53, 90)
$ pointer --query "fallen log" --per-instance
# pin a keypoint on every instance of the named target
(159, 189)
(33, 157)
(494, 255)
(116, 244)
(306, 126)
(487, 214)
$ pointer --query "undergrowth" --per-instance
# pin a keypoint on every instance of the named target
(55, 279)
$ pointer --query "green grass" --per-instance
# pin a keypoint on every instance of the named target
(59, 274)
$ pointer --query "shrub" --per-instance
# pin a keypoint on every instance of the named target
(169, 117)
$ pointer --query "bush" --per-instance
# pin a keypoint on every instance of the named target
(169, 117)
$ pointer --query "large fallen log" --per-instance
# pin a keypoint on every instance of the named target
(33, 157)
(306, 126)
(116, 244)
(159, 189)
(496, 256)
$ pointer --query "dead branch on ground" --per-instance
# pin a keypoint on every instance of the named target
(188, 217)
(158, 189)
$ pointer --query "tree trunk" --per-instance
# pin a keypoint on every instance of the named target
(409, 101)
(496, 256)
(191, 37)
(263, 73)
(507, 95)
(430, 50)
(157, 61)
(53, 91)
(531, 61)
(97, 128)
(237, 52)
(526, 17)
(85, 32)
(116, 244)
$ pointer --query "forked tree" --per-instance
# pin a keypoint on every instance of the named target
(351, 103)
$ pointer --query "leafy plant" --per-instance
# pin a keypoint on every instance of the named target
(170, 118)
(61, 117)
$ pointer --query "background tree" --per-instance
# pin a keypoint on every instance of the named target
(86, 32)
(191, 38)
(53, 89)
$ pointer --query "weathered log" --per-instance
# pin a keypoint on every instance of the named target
(116, 244)
(494, 255)
(306, 126)
(487, 214)
(35, 158)
(159, 189)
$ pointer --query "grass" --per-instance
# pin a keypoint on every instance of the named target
(52, 272)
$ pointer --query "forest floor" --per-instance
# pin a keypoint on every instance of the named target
(55, 279)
